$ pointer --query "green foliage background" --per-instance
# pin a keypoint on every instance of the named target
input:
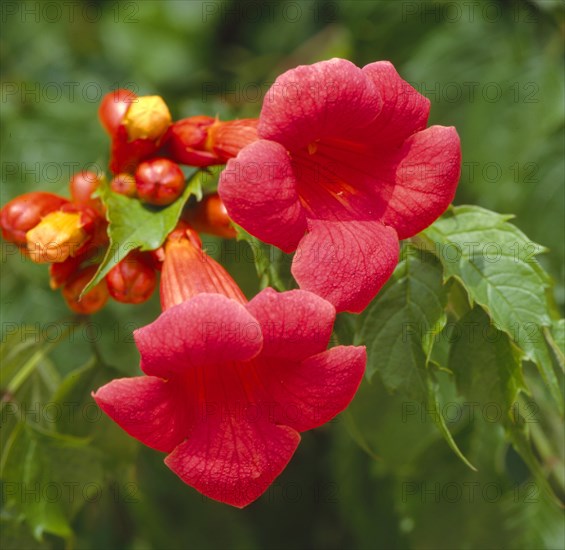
(493, 69)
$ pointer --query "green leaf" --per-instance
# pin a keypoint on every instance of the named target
(400, 324)
(27, 378)
(270, 261)
(488, 371)
(83, 418)
(400, 328)
(134, 225)
(393, 430)
(556, 339)
(16, 535)
(434, 408)
(48, 477)
(496, 264)
(486, 363)
(20, 351)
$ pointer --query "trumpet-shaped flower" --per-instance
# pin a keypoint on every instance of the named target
(230, 384)
(343, 169)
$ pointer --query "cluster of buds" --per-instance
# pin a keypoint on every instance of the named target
(147, 149)
(71, 235)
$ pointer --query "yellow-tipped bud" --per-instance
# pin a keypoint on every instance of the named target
(147, 118)
(57, 236)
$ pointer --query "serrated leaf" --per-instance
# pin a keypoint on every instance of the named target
(400, 324)
(49, 476)
(399, 329)
(269, 261)
(134, 225)
(496, 264)
(488, 371)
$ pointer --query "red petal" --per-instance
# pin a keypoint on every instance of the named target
(308, 394)
(404, 112)
(330, 98)
(152, 410)
(426, 180)
(337, 182)
(204, 330)
(258, 188)
(295, 324)
(234, 460)
(346, 262)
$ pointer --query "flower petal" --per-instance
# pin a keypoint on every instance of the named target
(258, 188)
(307, 394)
(150, 409)
(337, 182)
(295, 324)
(234, 460)
(404, 112)
(346, 262)
(206, 329)
(329, 98)
(427, 172)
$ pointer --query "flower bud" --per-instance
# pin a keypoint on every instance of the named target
(124, 184)
(210, 216)
(113, 108)
(156, 258)
(132, 281)
(125, 155)
(188, 270)
(61, 272)
(227, 139)
(24, 212)
(186, 141)
(82, 185)
(159, 181)
(56, 237)
(205, 141)
(135, 125)
(147, 118)
(92, 301)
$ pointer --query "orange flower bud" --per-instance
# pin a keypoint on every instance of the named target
(210, 216)
(113, 108)
(125, 155)
(61, 272)
(147, 118)
(159, 181)
(186, 141)
(227, 139)
(188, 270)
(58, 236)
(82, 185)
(124, 184)
(132, 281)
(92, 301)
(205, 141)
(156, 258)
(24, 212)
